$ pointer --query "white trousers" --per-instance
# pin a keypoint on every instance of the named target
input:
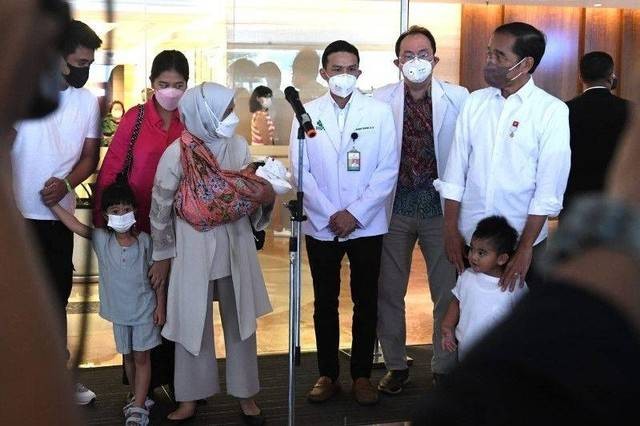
(196, 377)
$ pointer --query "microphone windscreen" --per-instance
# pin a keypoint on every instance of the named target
(290, 93)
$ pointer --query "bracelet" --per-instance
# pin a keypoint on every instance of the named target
(595, 221)
(68, 185)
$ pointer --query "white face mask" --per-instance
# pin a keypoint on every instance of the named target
(342, 85)
(227, 127)
(121, 223)
(417, 70)
(265, 102)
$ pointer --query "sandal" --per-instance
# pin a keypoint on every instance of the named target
(137, 416)
(148, 403)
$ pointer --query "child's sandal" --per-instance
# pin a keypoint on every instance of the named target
(148, 403)
(137, 416)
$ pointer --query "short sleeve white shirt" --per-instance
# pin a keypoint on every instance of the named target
(51, 147)
(482, 306)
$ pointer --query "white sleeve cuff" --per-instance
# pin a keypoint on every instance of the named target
(168, 253)
(449, 191)
(546, 207)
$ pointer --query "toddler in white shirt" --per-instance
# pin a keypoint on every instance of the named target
(479, 303)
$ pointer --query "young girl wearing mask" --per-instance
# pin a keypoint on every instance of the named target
(262, 128)
(127, 299)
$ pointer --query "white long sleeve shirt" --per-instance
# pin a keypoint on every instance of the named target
(509, 157)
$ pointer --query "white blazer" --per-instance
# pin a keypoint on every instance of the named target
(328, 185)
(447, 101)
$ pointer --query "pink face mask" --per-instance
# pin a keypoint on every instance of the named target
(168, 97)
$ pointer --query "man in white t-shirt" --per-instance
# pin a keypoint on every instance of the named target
(51, 156)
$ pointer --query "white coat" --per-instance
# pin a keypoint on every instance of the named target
(447, 101)
(328, 186)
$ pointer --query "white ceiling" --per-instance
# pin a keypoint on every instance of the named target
(177, 4)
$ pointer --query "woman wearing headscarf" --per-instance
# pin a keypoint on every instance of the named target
(204, 200)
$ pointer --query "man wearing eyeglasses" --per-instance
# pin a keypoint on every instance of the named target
(425, 111)
(510, 155)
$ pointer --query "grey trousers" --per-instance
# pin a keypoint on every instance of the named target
(196, 377)
(395, 265)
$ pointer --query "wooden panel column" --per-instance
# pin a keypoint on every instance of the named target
(630, 49)
(602, 32)
(478, 23)
(558, 71)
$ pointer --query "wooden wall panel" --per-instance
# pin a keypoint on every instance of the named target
(478, 23)
(630, 50)
(602, 31)
(559, 68)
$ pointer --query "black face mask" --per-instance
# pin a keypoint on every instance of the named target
(77, 76)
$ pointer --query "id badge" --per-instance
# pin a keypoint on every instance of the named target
(353, 161)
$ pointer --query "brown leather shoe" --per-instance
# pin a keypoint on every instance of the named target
(324, 389)
(364, 392)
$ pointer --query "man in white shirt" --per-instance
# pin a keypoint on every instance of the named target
(50, 157)
(425, 111)
(510, 155)
(349, 171)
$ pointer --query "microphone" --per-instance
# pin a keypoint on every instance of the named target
(292, 96)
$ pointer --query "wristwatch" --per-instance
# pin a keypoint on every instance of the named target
(595, 221)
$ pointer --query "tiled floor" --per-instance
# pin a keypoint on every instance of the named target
(273, 329)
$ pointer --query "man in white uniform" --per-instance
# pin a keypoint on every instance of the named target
(50, 157)
(425, 111)
(510, 154)
(349, 171)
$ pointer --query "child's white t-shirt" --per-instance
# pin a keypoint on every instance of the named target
(51, 147)
(482, 306)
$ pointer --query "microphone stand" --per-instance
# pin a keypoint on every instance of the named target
(297, 217)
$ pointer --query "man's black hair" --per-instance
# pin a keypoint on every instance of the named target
(77, 34)
(596, 66)
(416, 29)
(530, 41)
(338, 46)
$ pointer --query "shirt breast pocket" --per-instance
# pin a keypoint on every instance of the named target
(368, 145)
(522, 152)
(366, 131)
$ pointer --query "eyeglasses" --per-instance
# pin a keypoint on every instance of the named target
(411, 56)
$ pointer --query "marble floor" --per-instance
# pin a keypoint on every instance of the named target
(273, 329)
